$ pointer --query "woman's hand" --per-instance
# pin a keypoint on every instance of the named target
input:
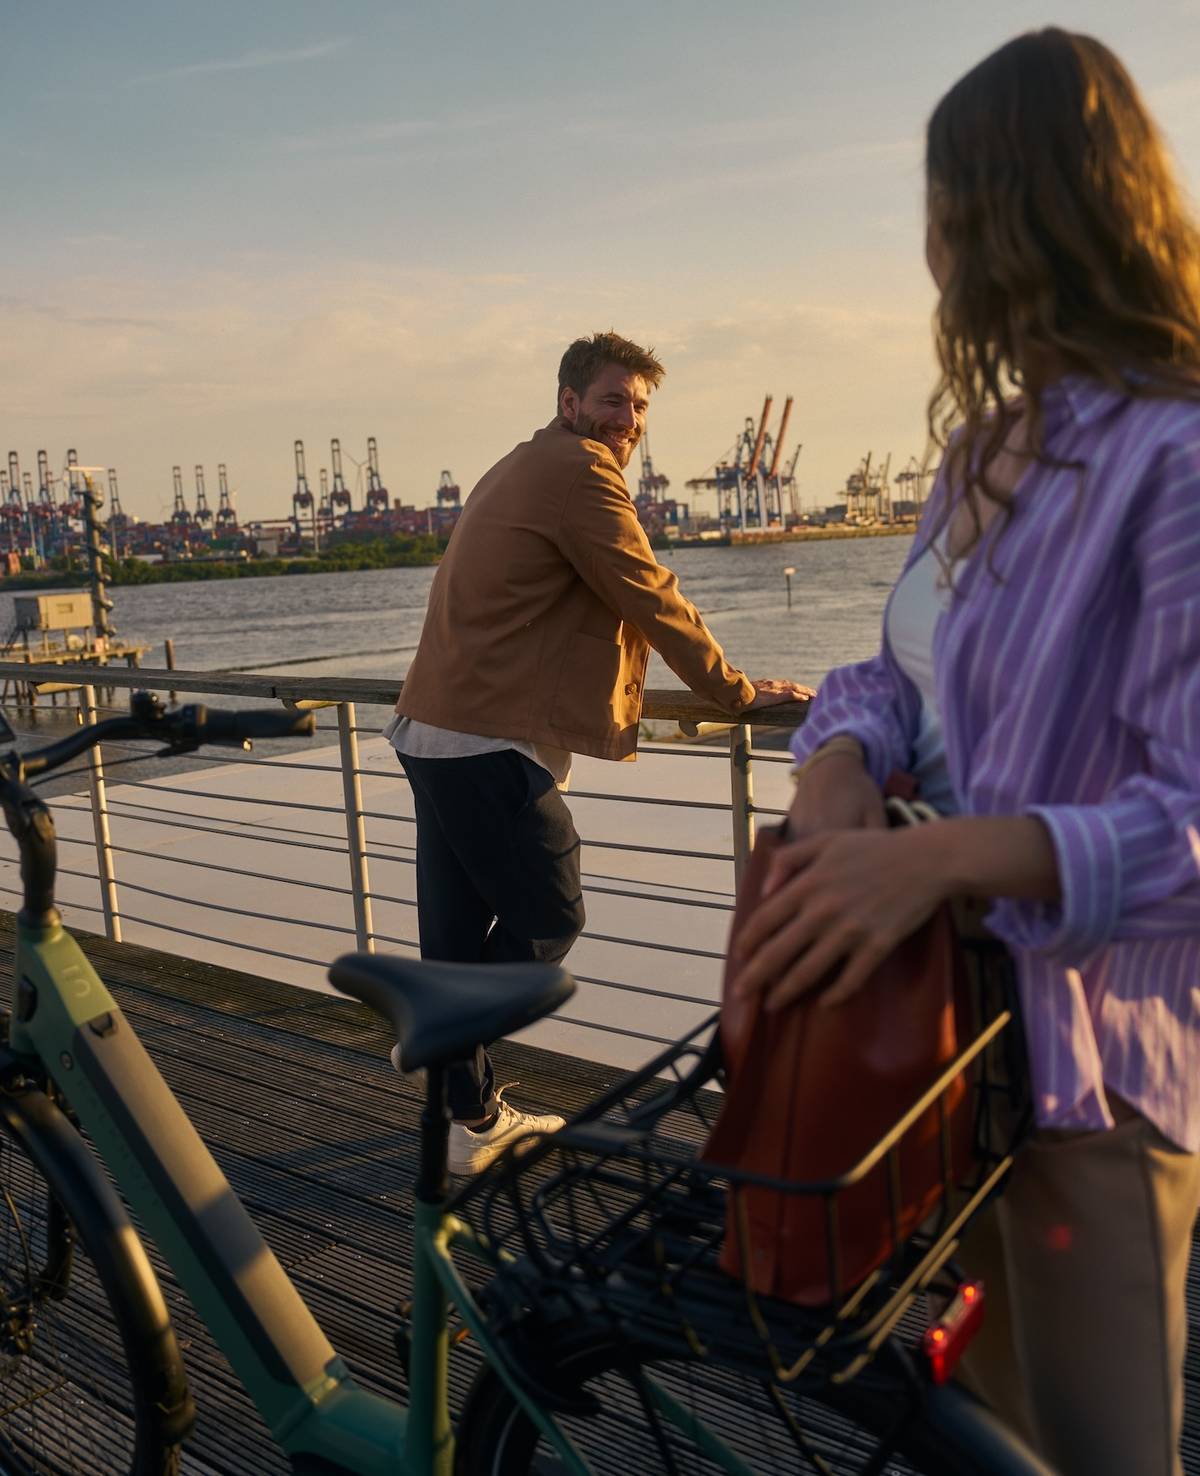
(847, 897)
(835, 794)
(843, 897)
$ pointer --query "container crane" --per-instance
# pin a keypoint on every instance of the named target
(116, 514)
(203, 515)
(869, 493)
(651, 484)
(377, 496)
(72, 510)
(883, 492)
(226, 517)
(32, 521)
(787, 482)
(14, 507)
(117, 521)
(749, 489)
(45, 480)
(911, 481)
(302, 498)
(339, 496)
(44, 508)
(449, 493)
(324, 510)
(181, 518)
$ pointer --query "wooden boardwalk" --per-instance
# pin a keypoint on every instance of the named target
(317, 1134)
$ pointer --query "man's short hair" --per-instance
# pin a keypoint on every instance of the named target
(585, 358)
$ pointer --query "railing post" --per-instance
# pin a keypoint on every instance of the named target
(741, 789)
(104, 854)
(356, 832)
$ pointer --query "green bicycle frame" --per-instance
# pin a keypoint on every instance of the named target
(64, 1015)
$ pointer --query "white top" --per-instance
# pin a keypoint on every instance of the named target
(917, 601)
(422, 740)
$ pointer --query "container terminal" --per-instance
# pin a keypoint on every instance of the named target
(754, 483)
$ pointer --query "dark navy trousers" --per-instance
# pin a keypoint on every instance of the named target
(497, 878)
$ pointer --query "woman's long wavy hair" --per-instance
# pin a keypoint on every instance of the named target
(1068, 245)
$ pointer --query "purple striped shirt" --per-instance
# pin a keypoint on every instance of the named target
(1069, 689)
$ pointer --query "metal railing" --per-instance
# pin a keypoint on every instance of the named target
(325, 814)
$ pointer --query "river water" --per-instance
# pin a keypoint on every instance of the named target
(368, 623)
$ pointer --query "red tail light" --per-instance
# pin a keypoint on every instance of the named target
(946, 1339)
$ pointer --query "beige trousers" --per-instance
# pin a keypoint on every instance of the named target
(1084, 1261)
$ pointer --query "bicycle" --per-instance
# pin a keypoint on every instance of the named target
(564, 1322)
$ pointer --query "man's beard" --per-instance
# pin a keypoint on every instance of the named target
(593, 430)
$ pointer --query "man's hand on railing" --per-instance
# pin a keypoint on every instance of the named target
(773, 691)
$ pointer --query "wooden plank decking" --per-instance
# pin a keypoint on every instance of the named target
(295, 1096)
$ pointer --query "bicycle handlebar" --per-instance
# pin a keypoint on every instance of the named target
(182, 730)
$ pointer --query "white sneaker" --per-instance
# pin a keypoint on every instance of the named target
(471, 1152)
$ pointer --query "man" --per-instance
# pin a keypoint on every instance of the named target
(540, 621)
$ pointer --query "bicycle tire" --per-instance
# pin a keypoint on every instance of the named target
(91, 1378)
(950, 1435)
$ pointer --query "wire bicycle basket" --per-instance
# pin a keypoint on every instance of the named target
(619, 1216)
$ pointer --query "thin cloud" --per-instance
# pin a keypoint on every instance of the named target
(358, 136)
(251, 61)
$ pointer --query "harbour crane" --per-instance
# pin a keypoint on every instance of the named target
(750, 488)
(449, 493)
(45, 480)
(116, 514)
(44, 509)
(181, 518)
(868, 494)
(339, 496)
(911, 481)
(117, 521)
(72, 506)
(324, 509)
(226, 517)
(33, 523)
(651, 484)
(883, 492)
(203, 515)
(14, 507)
(787, 482)
(377, 496)
(857, 484)
(302, 498)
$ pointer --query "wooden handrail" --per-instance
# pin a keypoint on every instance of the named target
(672, 704)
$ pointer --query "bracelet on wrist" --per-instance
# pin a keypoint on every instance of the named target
(842, 743)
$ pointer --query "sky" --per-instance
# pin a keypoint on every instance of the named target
(229, 225)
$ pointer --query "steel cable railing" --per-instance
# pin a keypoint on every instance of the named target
(657, 899)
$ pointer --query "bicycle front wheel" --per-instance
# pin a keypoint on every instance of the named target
(91, 1380)
(838, 1430)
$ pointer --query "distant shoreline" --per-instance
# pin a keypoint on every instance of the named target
(353, 558)
(788, 535)
(347, 558)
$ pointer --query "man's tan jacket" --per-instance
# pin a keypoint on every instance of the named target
(545, 606)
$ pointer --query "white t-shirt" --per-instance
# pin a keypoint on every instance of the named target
(917, 601)
(422, 740)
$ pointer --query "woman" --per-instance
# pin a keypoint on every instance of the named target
(1040, 672)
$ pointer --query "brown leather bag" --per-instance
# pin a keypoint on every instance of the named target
(810, 1091)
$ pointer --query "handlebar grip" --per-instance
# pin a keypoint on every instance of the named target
(212, 725)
